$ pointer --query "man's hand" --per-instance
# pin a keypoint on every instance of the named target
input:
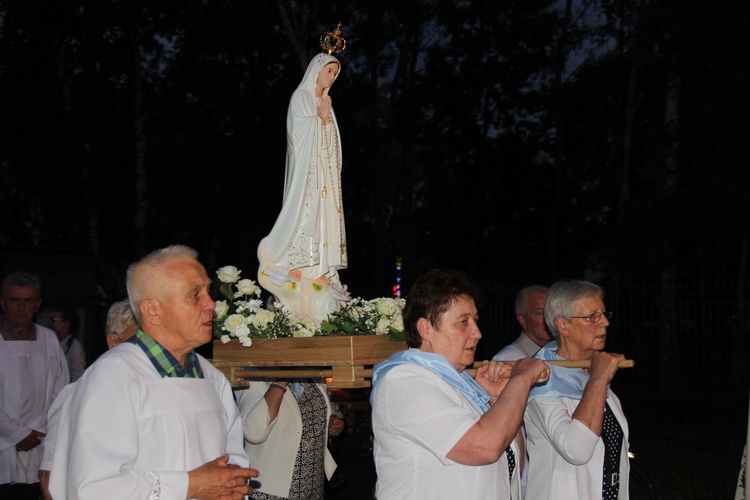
(218, 479)
(31, 441)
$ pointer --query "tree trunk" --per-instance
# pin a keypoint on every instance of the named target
(669, 316)
(296, 28)
(140, 139)
(561, 58)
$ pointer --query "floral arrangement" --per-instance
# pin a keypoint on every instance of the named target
(381, 316)
(242, 315)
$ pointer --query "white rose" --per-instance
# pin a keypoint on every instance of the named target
(309, 324)
(398, 323)
(382, 326)
(233, 322)
(386, 306)
(221, 309)
(228, 274)
(303, 332)
(262, 318)
(246, 287)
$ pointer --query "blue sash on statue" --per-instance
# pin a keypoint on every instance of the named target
(461, 381)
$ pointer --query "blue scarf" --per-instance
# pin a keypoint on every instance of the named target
(563, 382)
(436, 363)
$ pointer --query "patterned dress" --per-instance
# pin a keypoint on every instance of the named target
(308, 478)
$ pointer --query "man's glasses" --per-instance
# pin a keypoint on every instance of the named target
(595, 317)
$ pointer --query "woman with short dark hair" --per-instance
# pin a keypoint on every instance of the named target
(439, 433)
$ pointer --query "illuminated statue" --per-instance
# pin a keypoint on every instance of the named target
(300, 258)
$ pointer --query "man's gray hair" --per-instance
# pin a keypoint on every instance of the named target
(523, 295)
(21, 279)
(561, 298)
(139, 272)
(119, 318)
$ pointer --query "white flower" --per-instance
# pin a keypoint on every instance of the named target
(228, 274)
(225, 339)
(386, 305)
(309, 324)
(233, 322)
(262, 318)
(246, 341)
(382, 327)
(242, 331)
(398, 323)
(246, 287)
(302, 332)
(221, 309)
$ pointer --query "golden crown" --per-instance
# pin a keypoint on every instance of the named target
(331, 42)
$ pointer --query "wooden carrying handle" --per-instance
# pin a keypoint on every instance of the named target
(583, 363)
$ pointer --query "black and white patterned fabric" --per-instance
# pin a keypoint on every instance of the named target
(308, 479)
(612, 436)
(511, 462)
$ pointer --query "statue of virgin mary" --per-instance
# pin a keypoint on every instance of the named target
(300, 258)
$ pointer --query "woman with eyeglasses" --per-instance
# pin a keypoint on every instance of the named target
(577, 433)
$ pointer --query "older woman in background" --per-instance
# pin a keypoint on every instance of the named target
(577, 433)
(286, 426)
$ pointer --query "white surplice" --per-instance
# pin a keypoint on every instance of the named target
(126, 432)
(32, 373)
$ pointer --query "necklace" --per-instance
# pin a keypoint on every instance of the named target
(332, 172)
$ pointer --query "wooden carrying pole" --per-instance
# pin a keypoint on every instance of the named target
(583, 363)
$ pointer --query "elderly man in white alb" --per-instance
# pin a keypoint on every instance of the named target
(152, 418)
(33, 371)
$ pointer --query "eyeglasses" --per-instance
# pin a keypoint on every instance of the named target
(595, 317)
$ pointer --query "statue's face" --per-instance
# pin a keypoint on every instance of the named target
(328, 75)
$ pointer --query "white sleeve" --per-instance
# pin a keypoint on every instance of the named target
(570, 438)
(419, 406)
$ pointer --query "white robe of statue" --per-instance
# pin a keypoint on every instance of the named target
(309, 234)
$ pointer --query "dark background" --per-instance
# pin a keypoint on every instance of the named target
(521, 141)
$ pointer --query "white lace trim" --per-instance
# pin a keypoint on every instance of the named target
(161, 486)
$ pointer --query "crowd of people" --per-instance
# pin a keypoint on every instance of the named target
(151, 418)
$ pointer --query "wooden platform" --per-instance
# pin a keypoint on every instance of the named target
(345, 362)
